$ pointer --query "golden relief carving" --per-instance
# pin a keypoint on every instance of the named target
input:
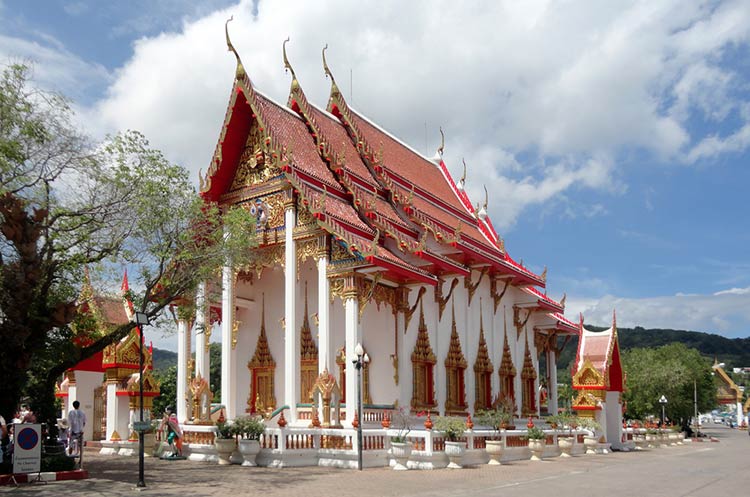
(365, 291)
(588, 376)
(472, 287)
(518, 321)
(443, 301)
(262, 371)
(455, 368)
(482, 370)
(423, 364)
(339, 253)
(235, 332)
(528, 379)
(308, 357)
(409, 312)
(304, 216)
(261, 258)
(305, 249)
(587, 400)
(497, 297)
(337, 288)
(254, 166)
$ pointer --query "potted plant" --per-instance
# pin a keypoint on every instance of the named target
(497, 418)
(224, 441)
(536, 438)
(566, 421)
(590, 440)
(453, 429)
(400, 446)
(249, 429)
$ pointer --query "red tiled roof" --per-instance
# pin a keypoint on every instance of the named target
(543, 299)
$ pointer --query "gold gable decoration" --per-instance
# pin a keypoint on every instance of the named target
(125, 355)
(455, 367)
(151, 388)
(482, 370)
(423, 362)
(588, 377)
(587, 401)
(262, 372)
(254, 166)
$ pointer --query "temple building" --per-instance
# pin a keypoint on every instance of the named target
(598, 381)
(361, 240)
(107, 383)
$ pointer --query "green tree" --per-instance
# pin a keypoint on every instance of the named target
(168, 390)
(67, 204)
(674, 371)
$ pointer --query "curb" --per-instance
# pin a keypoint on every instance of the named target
(78, 474)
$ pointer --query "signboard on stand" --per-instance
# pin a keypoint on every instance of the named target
(27, 448)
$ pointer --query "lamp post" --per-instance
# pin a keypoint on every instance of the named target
(141, 319)
(359, 363)
(663, 402)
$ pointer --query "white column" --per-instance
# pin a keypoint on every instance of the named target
(351, 318)
(112, 417)
(228, 354)
(291, 342)
(183, 355)
(201, 325)
(739, 414)
(405, 346)
(324, 318)
(552, 387)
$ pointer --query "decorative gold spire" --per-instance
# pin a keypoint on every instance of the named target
(543, 276)
(422, 350)
(483, 362)
(288, 66)
(240, 72)
(329, 74)
(308, 349)
(262, 356)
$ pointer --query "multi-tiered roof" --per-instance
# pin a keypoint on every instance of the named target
(387, 205)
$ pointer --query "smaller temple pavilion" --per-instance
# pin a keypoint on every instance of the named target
(107, 384)
(727, 392)
(598, 380)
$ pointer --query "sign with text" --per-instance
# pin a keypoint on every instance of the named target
(27, 448)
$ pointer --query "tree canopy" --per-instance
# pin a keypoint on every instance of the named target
(674, 371)
(66, 204)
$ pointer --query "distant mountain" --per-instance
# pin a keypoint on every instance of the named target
(734, 352)
(163, 359)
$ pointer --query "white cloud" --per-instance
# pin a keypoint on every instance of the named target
(542, 98)
(726, 312)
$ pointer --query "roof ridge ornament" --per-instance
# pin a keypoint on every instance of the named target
(438, 158)
(462, 182)
(287, 65)
(328, 73)
(240, 72)
(482, 212)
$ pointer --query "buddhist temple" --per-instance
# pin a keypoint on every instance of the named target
(598, 381)
(107, 384)
(361, 240)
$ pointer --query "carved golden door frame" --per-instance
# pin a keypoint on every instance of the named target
(423, 362)
(528, 385)
(455, 373)
(482, 370)
(262, 368)
(341, 363)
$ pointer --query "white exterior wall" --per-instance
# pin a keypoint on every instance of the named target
(86, 382)
(613, 423)
(377, 340)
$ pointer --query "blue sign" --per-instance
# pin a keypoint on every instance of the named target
(28, 438)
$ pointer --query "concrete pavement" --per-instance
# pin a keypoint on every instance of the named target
(698, 469)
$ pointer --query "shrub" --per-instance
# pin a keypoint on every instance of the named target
(535, 433)
(452, 427)
(248, 427)
(59, 462)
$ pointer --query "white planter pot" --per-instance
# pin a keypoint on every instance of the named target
(590, 443)
(494, 449)
(536, 446)
(249, 449)
(566, 446)
(224, 448)
(400, 452)
(455, 452)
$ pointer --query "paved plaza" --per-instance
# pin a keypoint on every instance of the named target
(697, 469)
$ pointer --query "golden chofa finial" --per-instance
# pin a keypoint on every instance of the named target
(240, 72)
(329, 74)
(482, 212)
(543, 276)
(438, 158)
(287, 65)
(462, 182)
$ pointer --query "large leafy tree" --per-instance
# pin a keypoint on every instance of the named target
(674, 371)
(67, 204)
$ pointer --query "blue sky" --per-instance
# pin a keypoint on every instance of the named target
(612, 136)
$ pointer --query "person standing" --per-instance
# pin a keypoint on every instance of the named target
(76, 422)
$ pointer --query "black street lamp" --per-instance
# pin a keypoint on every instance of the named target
(141, 319)
(359, 362)
(663, 402)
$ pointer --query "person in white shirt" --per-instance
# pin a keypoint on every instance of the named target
(76, 422)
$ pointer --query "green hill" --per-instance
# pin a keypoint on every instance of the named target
(163, 359)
